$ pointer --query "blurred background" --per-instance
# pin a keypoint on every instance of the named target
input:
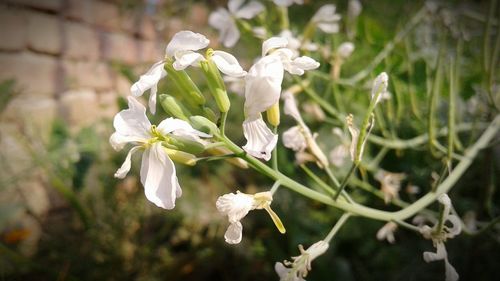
(65, 68)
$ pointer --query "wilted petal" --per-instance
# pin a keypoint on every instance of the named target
(158, 177)
(354, 136)
(234, 233)
(186, 41)
(250, 10)
(263, 85)
(125, 168)
(260, 139)
(235, 205)
(184, 59)
(294, 139)
(228, 64)
(132, 123)
(273, 43)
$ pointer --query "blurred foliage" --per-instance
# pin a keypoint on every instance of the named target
(107, 230)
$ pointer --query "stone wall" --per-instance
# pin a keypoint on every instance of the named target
(62, 55)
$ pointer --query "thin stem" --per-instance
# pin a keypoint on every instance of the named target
(388, 48)
(222, 127)
(275, 187)
(407, 225)
(214, 145)
(337, 227)
(316, 179)
(332, 177)
(357, 209)
(344, 182)
(274, 155)
(317, 98)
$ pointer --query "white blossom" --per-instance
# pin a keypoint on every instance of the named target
(299, 267)
(387, 232)
(157, 169)
(287, 3)
(263, 89)
(224, 20)
(390, 184)
(236, 206)
(181, 50)
(354, 8)
(439, 236)
(380, 87)
(345, 50)
(326, 19)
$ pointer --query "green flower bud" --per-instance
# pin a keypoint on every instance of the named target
(215, 83)
(173, 108)
(186, 144)
(185, 85)
(202, 124)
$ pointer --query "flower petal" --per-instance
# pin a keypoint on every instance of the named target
(273, 43)
(294, 139)
(263, 85)
(329, 27)
(118, 141)
(149, 81)
(132, 123)
(186, 41)
(179, 127)
(125, 168)
(219, 19)
(184, 59)
(158, 177)
(260, 139)
(250, 10)
(281, 270)
(234, 233)
(228, 64)
(326, 13)
(222, 21)
(234, 5)
(235, 205)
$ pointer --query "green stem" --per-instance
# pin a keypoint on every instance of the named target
(274, 155)
(357, 209)
(316, 179)
(388, 48)
(337, 227)
(344, 182)
(222, 127)
(317, 98)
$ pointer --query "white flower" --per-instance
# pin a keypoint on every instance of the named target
(237, 205)
(390, 184)
(157, 169)
(387, 232)
(326, 19)
(439, 236)
(148, 81)
(181, 51)
(263, 89)
(260, 139)
(300, 137)
(224, 20)
(338, 155)
(296, 44)
(345, 50)
(301, 265)
(287, 3)
(380, 87)
(354, 8)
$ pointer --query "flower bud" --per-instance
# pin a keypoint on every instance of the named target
(202, 124)
(273, 115)
(186, 144)
(215, 83)
(185, 85)
(173, 108)
(181, 157)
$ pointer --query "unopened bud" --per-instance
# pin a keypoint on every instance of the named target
(173, 108)
(273, 115)
(186, 144)
(181, 157)
(215, 83)
(202, 124)
(185, 85)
